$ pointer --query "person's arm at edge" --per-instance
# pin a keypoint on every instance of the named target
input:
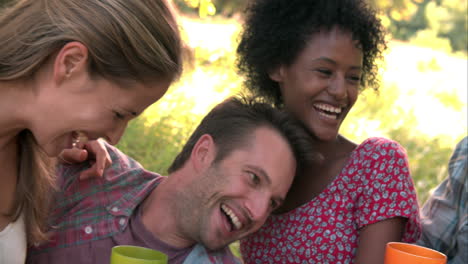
(373, 239)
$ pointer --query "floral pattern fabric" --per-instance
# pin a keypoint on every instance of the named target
(373, 186)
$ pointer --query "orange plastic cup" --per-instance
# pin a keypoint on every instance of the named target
(404, 253)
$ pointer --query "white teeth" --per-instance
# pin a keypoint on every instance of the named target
(328, 108)
(234, 218)
(80, 137)
(328, 115)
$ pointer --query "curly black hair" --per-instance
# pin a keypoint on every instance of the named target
(276, 31)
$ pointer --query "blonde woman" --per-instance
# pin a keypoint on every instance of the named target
(70, 68)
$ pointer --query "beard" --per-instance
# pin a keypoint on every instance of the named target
(196, 205)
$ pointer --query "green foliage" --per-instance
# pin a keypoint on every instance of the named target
(429, 38)
(448, 19)
(156, 137)
(204, 7)
(226, 8)
(450, 100)
(442, 21)
(4, 2)
(155, 145)
(428, 159)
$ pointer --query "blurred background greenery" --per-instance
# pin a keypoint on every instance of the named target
(422, 102)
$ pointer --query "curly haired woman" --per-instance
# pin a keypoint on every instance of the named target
(312, 58)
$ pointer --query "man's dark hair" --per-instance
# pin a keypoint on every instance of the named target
(233, 121)
(276, 31)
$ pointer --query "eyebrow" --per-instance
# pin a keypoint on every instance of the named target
(334, 62)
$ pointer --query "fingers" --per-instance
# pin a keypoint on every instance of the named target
(92, 172)
(97, 150)
(73, 156)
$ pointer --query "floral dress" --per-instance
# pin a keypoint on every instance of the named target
(374, 185)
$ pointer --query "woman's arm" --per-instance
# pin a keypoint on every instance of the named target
(373, 239)
(388, 208)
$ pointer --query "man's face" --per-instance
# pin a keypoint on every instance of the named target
(233, 198)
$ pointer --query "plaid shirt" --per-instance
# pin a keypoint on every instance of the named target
(95, 209)
(444, 216)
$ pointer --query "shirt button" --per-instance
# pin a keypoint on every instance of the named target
(115, 209)
(122, 221)
(88, 230)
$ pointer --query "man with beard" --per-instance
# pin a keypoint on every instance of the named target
(235, 169)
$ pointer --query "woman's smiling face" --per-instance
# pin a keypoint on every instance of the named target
(321, 86)
(72, 100)
(94, 107)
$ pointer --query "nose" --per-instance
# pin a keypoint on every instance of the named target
(114, 135)
(337, 87)
(258, 207)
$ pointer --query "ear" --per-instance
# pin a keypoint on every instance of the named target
(203, 153)
(277, 74)
(71, 59)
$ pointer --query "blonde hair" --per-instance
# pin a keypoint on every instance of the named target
(36, 180)
(126, 39)
(136, 39)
